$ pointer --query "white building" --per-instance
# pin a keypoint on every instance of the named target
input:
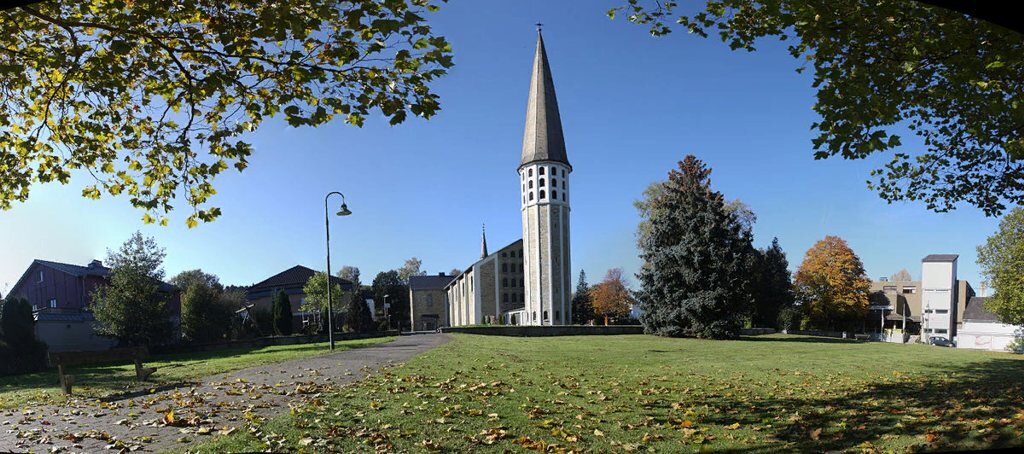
(528, 282)
(982, 330)
(939, 296)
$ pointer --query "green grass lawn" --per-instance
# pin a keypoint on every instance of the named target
(101, 381)
(644, 393)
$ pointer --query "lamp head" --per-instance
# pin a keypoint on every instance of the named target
(344, 210)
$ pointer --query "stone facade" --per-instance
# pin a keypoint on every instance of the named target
(478, 295)
(428, 302)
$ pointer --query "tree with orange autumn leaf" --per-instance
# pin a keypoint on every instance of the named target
(832, 285)
(611, 298)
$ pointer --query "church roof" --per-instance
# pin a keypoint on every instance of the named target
(542, 137)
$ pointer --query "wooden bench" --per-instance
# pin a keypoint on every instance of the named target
(65, 360)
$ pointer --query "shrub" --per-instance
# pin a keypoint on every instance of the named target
(282, 315)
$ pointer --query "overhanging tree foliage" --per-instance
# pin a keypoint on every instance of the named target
(154, 99)
(694, 278)
(1002, 262)
(954, 81)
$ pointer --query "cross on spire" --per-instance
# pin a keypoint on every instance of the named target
(539, 25)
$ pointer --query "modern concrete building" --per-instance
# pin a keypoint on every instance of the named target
(533, 286)
(428, 302)
(938, 300)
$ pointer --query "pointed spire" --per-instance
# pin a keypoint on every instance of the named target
(542, 137)
(483, 241)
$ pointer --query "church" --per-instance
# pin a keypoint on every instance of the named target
(527, 282)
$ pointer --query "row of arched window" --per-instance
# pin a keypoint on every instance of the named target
(540, 171)
(505, 281)
(543, 195)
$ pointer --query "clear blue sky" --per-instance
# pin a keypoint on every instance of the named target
(631, 106)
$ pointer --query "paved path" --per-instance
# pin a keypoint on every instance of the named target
(178, 417)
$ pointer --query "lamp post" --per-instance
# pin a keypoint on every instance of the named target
(343, 211)
(387, 311)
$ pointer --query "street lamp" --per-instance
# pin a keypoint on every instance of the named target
(343, 211)
(387, 311)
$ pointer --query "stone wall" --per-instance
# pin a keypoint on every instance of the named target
(541, 331)
(265, 342)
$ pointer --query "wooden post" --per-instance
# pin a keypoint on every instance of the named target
(65, 380)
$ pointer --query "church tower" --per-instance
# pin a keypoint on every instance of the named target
(544, 180)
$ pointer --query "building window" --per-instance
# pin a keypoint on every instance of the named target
(503, 254)
(941, 331)
(541, 195)
(563, 173)
(554, 171)
(563, 184)
(554, 194)
(531, 184)
(531, 172)
(430, 300)
(541, 184)
(520, 267)
(520, 253)
(504, 297)
(53, 303)
(504, 267)
(554, 183)
(889, 288)
(541, 171)
(942, 311)
(909, 290)
(563, 196)
(35, 308)
(558, 317)
(504, 282)
(531, 195)
(524, 199)
(40, 276)
(546, 316)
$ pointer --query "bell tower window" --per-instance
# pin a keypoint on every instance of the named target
(541, 170)
(541, 193)
(541, 182)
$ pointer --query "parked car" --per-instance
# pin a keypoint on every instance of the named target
(941, 341)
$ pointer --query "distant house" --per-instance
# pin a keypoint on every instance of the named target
(291, 281)
(60, 295)
(982, 329)
(428, 301)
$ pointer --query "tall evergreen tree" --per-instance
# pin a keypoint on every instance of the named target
(358, 314)
(772, 286)
(694, 278)
(16, 322)
(282, 311)
(582, 309)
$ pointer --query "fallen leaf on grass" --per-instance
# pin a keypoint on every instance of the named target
(815, 434)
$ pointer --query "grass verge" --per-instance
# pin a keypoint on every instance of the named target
(105, 380)
(644, 393)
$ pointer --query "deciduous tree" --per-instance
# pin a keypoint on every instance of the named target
(349, 273)
(205, 312)
(901, 276)
(612, 298)
(832, 286)
(950, 79)
(131, 307)
(154, 99)
(695, 254)
(1002, 262)
(409, 269)
(316, 294)
(391, 284)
